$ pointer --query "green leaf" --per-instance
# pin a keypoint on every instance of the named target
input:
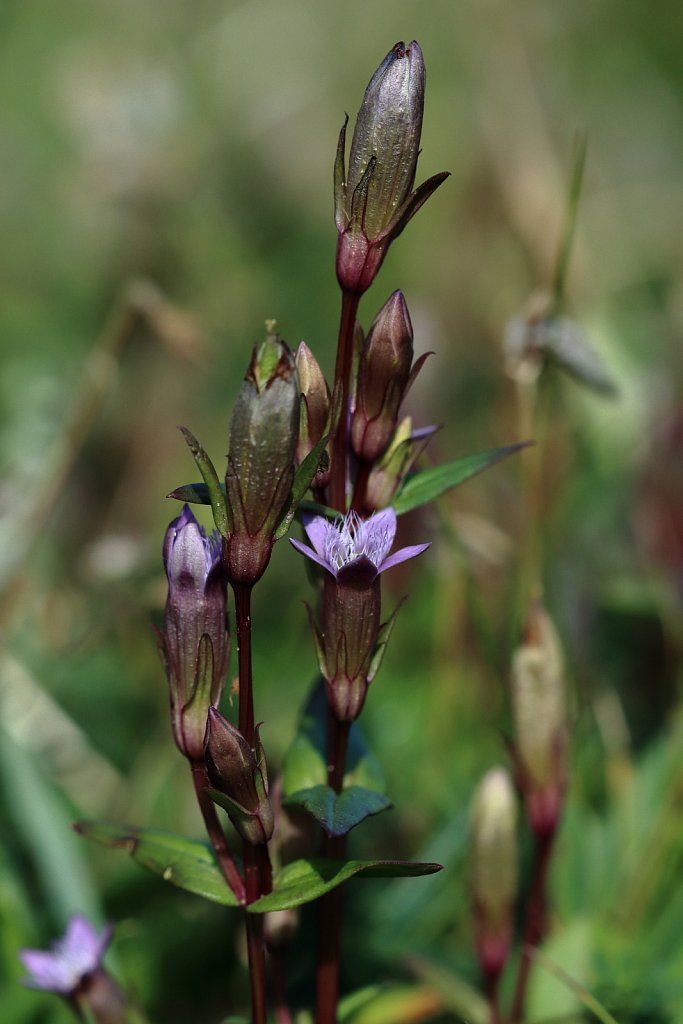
(193, 494)
(427, 484)
(338, 813)
(185, 863)
(217, 497)
(302, 481)
(305, 880)
(306, 760)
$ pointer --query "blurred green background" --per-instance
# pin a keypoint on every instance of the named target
(167, 187)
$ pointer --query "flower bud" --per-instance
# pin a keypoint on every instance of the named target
(540, 721)
(494, 868)
(194, 641)
(314, 409)
(375, 201)
(239, 779)
(391, 469)
(264, 430)
(383, 375)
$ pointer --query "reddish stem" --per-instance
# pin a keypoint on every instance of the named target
(327, 981)
(257, 875)
(535, 919)
(215, 832)
(246, 697)
(282, 1011)
(342, 372)
(360, 486)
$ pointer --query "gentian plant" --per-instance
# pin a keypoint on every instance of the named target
(343, 460)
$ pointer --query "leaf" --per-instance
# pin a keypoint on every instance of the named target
(194, 494)
(185, 863)
(427, 484)
(306, 760)
(566, 344)
(302, 481)
(217, 497)
(581, 993)
(305, 880)
(338, 813)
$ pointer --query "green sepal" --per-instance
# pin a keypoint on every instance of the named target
(305, 764)
(185, 863)
(338, 813)
(425, 485)
(217, 498)
(303, 881)
(194, 494)
(340, 179)
(383, 637)
(302, 481)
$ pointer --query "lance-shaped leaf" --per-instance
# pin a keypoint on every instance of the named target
(338, 813)
(427, 484)
(190, 865)
(302, 481)
(193, 494)
(185, 863)
(217, 498)
(303, 881)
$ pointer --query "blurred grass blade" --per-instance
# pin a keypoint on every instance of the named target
(427, 484)
(569, 229)
(391, 1004)
(41, 819)
(185, 863)
(581, 993)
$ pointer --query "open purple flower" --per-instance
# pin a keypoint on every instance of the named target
(352, 549)
(71, 959)
(354, 552)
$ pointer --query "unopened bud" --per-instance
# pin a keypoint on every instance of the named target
(383, 375)
(388, 129)
(315, 407)
(375, 201)
(239, 779)
(194, 641)
(494, 868)
(540, 721)
(263, 437)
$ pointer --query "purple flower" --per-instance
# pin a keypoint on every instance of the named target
(353, 549)
(354, 552)
(194, 641)
(72, 958)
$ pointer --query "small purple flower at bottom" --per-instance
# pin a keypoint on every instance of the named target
(351, 548)
(71, 959)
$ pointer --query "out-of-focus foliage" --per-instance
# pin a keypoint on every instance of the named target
(166, 188)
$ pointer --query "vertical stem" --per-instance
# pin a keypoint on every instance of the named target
(534, 923)
(282, 1011)
(342, 372)
(360, 486)
(246, 696)
(254, 856)
(493, 1000)
(327, 981)
(215, 832)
